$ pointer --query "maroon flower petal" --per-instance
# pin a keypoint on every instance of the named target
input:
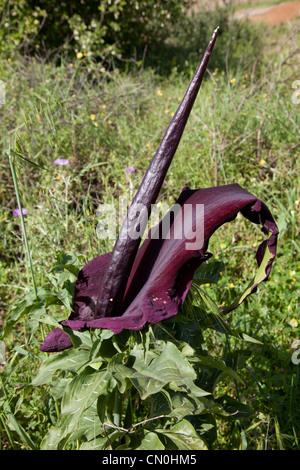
(57, 340)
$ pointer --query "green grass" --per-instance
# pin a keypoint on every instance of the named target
(244, 128)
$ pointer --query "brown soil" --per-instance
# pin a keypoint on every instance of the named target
(271, 15)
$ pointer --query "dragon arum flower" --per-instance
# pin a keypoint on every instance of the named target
(138, 285)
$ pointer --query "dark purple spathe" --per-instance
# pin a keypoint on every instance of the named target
(115, 278)
(163, 269)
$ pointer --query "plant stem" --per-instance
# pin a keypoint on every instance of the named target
(15, 180)
(117, 413)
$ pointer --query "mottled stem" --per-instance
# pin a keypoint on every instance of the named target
(114, 281)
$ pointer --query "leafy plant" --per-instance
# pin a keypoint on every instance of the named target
(152, 389)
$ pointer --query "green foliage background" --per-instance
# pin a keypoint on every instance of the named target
(98, 84)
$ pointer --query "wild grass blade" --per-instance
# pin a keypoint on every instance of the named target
(15, 180)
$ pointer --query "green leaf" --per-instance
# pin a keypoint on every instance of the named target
(210, 362)
(52, 439)
(213, 307)
(184, 436)
(70, 360)
(19, 429)
(95, 444)
(208, 272)
(169, 366)
(120, 372)
(81, 393)
(66, 298)
(151, 442)
(29, 305)
(233, 408)
(179, 404)
(258, 278)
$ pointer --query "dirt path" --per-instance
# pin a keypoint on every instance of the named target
(271, 15)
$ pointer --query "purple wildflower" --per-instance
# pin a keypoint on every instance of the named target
(61, 162)
(17, 212)
(130, 169)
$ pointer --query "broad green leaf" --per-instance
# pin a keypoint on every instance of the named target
(151, 442)
(95, 444)
(58, 387)
(70, 360)
(66, 298)
(179, 405)
(120, 372)
(169, 366)
(81, 393)
(53, 440)
(89, 426)
(184, 436)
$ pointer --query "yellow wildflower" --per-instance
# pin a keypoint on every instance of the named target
(294, 323)
(160, 93)
(262, 162)
(79, 55)
(231, 285)
(208, 284)
(9, 59)
(233, 80)
(223, 245)
(93, 117)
